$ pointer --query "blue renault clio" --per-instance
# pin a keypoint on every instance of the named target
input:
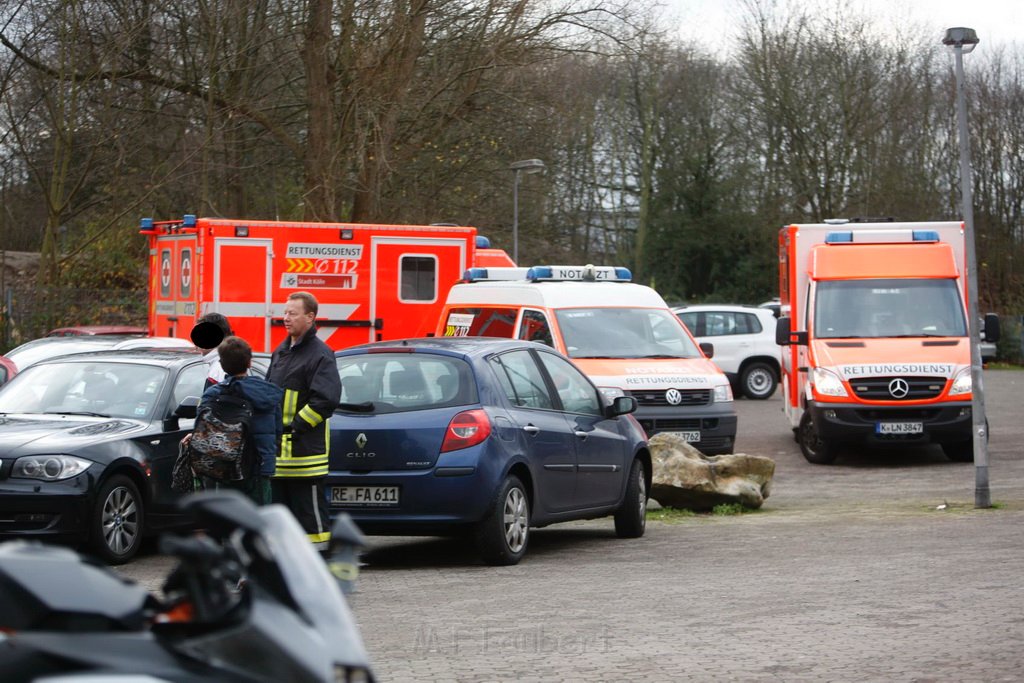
(489, 436)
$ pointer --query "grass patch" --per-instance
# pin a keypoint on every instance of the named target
(670, 514)
(680, 514)
(1000, 365)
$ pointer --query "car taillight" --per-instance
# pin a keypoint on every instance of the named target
(466, 429)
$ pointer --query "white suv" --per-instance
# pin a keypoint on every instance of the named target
(744, 341)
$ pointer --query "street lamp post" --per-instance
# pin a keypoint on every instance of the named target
(961, 40)
(524, 166)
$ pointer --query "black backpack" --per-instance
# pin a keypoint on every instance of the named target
(220, 447)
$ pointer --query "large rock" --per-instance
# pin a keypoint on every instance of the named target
(684, 477)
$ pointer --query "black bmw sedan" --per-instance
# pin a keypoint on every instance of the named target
(87, 445)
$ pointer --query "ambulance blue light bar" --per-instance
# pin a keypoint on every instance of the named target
(881, 236)
(494, 274)
(587, 273)
(189, 220)
(146, 224)
(482, 242)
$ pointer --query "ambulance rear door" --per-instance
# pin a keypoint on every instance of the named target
(242, 287)
(173, 282)
(411, 279)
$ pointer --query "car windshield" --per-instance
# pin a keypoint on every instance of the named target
(397, 382)
(888, 308)
(89, 388)
(624, 333)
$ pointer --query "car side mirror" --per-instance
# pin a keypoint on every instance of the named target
(784, 336)
(621, 405)
(188, 408)
(708, 349)
(991, 328)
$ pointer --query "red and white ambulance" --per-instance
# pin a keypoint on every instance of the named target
(875, 336)
(373, 282)
(622, 335)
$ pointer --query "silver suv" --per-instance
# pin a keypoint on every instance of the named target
(744, 342)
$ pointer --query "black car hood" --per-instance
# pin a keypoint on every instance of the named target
(25, 434)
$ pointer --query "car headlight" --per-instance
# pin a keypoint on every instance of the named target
(49, 467)
(722, 394)
(961, 382)
(827, 383)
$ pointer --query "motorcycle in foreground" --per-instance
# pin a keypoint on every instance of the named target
(249, 600)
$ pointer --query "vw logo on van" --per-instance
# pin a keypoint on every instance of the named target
(674, 397)
(899, 388)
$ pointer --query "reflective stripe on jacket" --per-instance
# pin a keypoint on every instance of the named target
(309, 376)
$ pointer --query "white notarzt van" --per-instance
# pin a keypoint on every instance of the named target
(623, 335)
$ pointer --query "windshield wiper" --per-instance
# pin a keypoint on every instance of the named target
(78, 412)
(595, 357)
(365, 407)
(659, 355)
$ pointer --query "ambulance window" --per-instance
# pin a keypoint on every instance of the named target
(418, 278)
(521, 380)
(535, 327)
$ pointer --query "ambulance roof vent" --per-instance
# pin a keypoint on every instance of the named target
(836, 221)
(482, 242)
(494, 274)
(880, 236)
(587, 273)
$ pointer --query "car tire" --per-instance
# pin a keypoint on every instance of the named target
(502, 535)
(758, 381)
(815, 449)
(117, 521)
(631, 517)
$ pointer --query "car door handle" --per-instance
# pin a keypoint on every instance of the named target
(531, 430)
(582, 436)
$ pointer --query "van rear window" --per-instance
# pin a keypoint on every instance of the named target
(480, 322)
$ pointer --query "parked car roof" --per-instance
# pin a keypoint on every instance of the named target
(37, 350)
(90, 330)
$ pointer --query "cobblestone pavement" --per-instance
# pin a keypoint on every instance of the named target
(849, 573)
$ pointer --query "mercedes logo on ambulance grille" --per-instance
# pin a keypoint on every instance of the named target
(673, 397)
(898, 388)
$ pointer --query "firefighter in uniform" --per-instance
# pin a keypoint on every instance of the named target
(304, 367)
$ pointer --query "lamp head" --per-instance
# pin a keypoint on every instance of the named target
(959, 36)
(527, 166)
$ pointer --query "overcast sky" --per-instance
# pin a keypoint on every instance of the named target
(997, 22)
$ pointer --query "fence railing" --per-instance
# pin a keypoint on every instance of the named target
(28, 313)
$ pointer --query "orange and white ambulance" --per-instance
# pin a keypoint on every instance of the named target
(622, 335)
(875, 336)
(373, 282)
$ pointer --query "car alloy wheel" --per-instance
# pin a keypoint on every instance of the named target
(516, 520)
(503, 534)
(118, 521)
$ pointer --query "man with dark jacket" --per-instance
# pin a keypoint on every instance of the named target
(305, 368)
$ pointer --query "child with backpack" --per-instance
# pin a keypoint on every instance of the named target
(242, 414)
